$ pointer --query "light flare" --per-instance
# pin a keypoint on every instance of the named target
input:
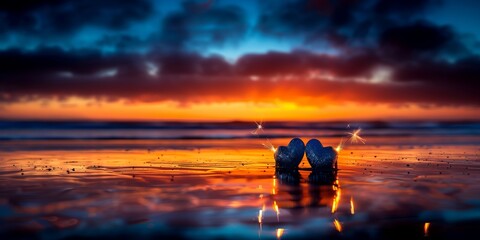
(260, 217)
(336, 198)
(259, 128)
(355, 136)
(268, 145)
(280, 232)
(337, 224)
(277, 210)
(425, 228)
(352, 206)
(340, 145)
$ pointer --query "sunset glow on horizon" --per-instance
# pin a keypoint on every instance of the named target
(227, 111)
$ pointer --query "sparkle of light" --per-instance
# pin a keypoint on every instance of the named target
(276, 209)
(268, 145)
(337, 224)
(355, 136)
(280, 232)
(425, 228)
(336, 198)
(339, 146)
(352, 206)
(259, 128)
(260, 216)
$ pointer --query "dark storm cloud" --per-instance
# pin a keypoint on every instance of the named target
(123, 42)
(196, 26)
(189, 77)
(429, 63)
(60, 17)
(464, 72)
(421, 40)
(337, 22)
(302, 62)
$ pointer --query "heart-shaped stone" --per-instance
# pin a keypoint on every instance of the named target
(319, 157)
(291, 156)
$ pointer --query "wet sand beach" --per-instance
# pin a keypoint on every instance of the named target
(390, 188)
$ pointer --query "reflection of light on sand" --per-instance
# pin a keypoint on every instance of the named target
(336, 198)
(337, 224)
(280, 232)
(277, 211)
(425, 228)
(260, 216)
(352, 206)
(274, 186)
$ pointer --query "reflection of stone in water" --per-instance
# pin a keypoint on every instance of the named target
(288, 177)
(289, 193)
(322, 177)
(321, 188)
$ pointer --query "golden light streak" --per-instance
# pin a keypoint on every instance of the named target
(260, 217)
(355, 136)
(274, 186)
(277, 210)
(352, 206)
(268, 145)
(337, 225)
(339, 146)
(280, 232)
(425, 228)
(336, 199)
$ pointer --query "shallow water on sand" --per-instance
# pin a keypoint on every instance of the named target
(387, 189)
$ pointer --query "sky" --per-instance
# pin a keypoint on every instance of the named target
(222, 60)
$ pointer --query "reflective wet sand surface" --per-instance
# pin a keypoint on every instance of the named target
(386, 189)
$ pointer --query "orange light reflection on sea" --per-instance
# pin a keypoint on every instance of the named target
(426, 226)
(280, 232)
(225, 179)
(337, 197)
(337, 225)
(164, 170)
(352, 206)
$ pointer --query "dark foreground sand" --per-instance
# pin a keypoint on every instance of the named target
(392, 188)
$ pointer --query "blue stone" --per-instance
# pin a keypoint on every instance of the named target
(290, 156)
(319, 157)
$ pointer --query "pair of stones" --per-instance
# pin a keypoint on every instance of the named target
(319, 157)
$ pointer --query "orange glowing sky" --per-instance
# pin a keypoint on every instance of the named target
(78, 108)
